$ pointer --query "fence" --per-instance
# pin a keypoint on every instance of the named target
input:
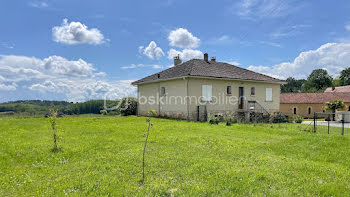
(331, 123)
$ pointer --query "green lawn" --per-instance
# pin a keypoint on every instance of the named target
(103, 156)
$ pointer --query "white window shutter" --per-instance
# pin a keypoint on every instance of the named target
(209, 91)
(268, 94)
(204, 92)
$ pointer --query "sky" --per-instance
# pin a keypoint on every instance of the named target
(79, 50)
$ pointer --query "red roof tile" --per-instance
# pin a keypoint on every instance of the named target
(289, 98)
(338, 89)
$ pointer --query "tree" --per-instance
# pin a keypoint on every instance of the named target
(334, 105)
(317, 81)
(345, 77)
(128, 106)
(293, 85)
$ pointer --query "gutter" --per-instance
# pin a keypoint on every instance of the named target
(200, 77)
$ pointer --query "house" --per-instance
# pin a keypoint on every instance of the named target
(338, 89)
(198, 88)
(305, 104)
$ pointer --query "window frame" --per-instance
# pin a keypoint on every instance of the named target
(252, 91)
(227, 90)
(162, 91)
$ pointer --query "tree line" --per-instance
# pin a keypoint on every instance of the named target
(317, 81)
(37, 107)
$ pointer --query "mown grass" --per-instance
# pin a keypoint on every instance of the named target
(103, 156)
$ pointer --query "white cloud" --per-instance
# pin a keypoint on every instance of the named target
(289, 31)
(133, 66)
(4, 87)
(185, 54)
(38, 4)
(273, 44)
(157, 67)
(72, 80)
(333, 57)
(76, 33)
(60, 65)
(347, 27)
(257, 9)
(234, 63)
(152, 51)
(222, 40)
(183, 38)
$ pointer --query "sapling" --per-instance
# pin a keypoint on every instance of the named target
(53, 123)
(150, 114)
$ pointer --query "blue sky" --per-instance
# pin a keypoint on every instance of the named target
(79, 50)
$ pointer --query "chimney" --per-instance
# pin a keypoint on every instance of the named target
(177, 60)
(206, 57)
(333, 88)
(213, 59)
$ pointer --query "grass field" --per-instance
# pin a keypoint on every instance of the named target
(103, 156)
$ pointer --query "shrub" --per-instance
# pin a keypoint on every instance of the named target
(230, 120)
(103, 112)
(214, 119)
(128, 106)
(278, 117)
(153, 113)
(298, 119)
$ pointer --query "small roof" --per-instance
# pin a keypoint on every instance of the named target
(313, 98)
(338, 89)
(201, 68)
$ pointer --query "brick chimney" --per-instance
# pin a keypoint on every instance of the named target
(206, 57)
(213, 59)
(177, 60)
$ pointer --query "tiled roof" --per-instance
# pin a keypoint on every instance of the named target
(313, 98)
(338, 89)
(201, 68)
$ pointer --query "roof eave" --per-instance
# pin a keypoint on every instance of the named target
(135, 83)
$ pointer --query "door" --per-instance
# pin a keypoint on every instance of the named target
(240, 97)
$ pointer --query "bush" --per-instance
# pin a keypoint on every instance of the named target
(278, 117)
(103, 112)
(298, 119)
(214, 119)
(153, 113)
(128, 106)
(230, 120)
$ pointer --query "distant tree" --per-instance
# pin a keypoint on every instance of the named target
(336, 81)
(128, 106)
(317, 81)
(334, 105)
(293, 85)
(345, 77)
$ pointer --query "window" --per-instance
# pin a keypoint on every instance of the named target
(252, 91)
(309, 110)
(268, 94)
(349, 108)
(294, 110)
(228, 90)
(162, 91)
(206, 92)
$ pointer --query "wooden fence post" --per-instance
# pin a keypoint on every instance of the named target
(314, 122)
